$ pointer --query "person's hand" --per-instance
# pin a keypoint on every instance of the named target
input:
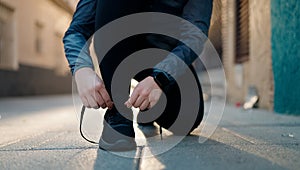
(91, 89)
(145, 95)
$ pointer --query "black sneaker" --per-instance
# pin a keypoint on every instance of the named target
(118, 133)
(146, 124)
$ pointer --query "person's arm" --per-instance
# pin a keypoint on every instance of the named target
(90, 87)
(148, 91)
(198, 12)
(80, 31)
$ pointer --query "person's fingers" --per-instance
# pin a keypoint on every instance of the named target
(134, 96)
(99, 100)
(84, 101)
(154, 97)
(139, 101)
(144, 105)
(104, 95)
(128, 104)
(151, 104)
(106, 98)
(103, 106)
(92, 102)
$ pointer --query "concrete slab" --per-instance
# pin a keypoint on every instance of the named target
(49, 139)
(213, 156)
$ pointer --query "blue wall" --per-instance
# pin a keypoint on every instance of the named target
(285, 18)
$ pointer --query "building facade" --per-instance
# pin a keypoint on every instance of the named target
(32, 59)
(258, 41)
(261, 50)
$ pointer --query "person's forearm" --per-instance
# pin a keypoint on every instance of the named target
(76, 39)
(193, 37)
(77, 52)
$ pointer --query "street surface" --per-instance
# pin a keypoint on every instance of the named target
(42, 133)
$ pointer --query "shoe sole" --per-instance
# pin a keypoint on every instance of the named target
(118, 146)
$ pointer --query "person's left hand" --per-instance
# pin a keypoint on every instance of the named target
(145, 95)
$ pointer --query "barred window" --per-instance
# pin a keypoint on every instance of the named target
(242, 31)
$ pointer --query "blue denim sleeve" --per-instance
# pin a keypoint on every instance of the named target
(197, 12)
(76, 39)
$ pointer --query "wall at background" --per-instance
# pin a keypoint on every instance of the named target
(29, 80)
(286, 55)
(35, 72)
(257, 71)
(260, 60)
(235, 92)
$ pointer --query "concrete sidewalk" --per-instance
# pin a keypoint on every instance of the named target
(42, 133)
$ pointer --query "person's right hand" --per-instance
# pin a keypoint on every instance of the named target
(91, 89)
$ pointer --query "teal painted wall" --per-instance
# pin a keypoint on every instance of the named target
(285, 19)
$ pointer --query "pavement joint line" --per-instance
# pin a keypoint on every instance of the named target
(19, 140)
(12, 142)
(245, 138)
(48, 140)
(25, 138)
(48, 149)
(72, 158)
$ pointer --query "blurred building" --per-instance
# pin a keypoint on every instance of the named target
(258, 41)
(32, 59)
(261, 49)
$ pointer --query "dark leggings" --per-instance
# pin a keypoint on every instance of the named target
(109, 10)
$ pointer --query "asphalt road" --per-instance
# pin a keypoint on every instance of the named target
(42, 133)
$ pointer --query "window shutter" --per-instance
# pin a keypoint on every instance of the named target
(242, 31)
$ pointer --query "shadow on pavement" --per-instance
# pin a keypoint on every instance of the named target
(209, 155)
(188, 154)
(108, 160)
